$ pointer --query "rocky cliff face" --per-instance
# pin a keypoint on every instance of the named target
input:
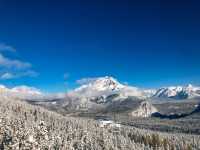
(145, 110)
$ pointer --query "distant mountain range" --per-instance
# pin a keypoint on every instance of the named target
(178, 92)
(104, 86)
(103, 94)
(102, 89)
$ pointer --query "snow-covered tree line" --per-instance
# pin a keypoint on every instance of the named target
(24, 126)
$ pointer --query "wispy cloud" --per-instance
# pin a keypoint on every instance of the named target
(13, 63)
(14, 68)
(4, 47)
(9, 75)
(85, 80)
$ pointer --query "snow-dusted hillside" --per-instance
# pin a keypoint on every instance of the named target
(25, 126)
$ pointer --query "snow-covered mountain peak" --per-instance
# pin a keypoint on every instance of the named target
(102, 84)
(179, 92)
(106, 83)
(104, 87)
(189, 86)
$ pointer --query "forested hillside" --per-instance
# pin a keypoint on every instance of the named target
(23, 126)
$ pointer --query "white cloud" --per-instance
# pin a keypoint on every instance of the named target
(30, 93)
(26, 89)
(16, 64)
(85, 80)
(13, 68)
(4, 47)
(8, 75)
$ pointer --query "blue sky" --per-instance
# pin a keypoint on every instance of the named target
(51, 44)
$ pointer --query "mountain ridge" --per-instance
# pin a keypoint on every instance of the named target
(178, 92)
(103, 87)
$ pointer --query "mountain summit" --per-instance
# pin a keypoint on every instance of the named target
(102, 84)
(105, 86)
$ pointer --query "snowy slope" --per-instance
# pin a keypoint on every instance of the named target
(178, 92)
